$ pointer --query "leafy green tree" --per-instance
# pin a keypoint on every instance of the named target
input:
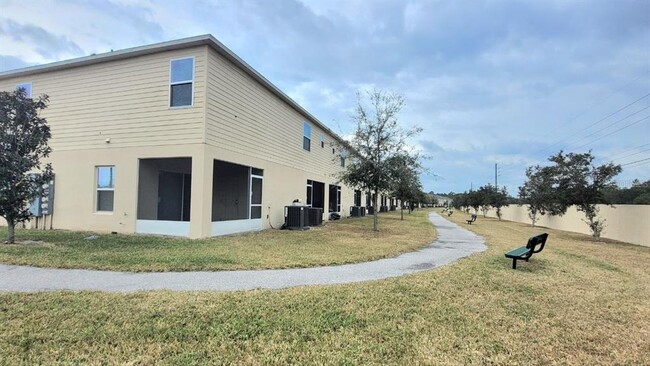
(582, 184)
(485, 194)
(539, 192)
(474, 200)
(642, 199)
(637, 194)
(378, 137)
(405, 178)
(498, 199)
(459, 201)
(23, 144)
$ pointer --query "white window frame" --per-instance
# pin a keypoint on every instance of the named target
(310, 198)
(250, 189)
(338, 199)
(322, 140)
(98, 189)
(169, 98)
(30, 88)
(305, 123)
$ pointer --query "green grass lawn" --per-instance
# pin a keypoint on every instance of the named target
(345, 241)
(578, 302)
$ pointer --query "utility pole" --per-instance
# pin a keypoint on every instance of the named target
(495, 175)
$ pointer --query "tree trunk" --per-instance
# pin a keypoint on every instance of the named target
(402, 212)
(11, 232)
(375, 219)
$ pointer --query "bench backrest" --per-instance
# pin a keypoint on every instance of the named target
(536, 240)
(473, 217)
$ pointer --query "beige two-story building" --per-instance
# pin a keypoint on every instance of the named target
(180, 138)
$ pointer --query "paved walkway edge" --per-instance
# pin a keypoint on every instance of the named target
(454, 242)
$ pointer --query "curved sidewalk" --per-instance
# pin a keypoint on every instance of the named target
(454, 242)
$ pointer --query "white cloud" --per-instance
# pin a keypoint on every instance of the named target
(486, 80)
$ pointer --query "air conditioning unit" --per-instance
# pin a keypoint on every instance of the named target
(383, 208)
(393, 208)
(355, 211)
(363, 211)
(371, 210)
(315, 216)
(296, 217)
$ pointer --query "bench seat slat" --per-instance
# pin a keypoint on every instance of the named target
(519, 252)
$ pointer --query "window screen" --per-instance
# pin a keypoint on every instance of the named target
(181, 79)
(306, 136)
(105, 188)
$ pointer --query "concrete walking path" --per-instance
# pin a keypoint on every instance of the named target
(454, 242)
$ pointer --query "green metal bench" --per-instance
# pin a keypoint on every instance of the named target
(470, 221)
(524, 253)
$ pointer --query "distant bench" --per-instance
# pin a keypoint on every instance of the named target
(473, 219)
(524, 253)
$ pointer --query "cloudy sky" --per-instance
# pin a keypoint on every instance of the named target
(507, 82)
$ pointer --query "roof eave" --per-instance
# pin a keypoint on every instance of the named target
(206, 39)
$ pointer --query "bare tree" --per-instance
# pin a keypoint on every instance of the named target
(377, 137)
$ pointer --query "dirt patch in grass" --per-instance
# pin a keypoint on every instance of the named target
(559, 308)
(339, 242)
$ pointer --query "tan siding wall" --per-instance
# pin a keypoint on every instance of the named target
(75, 193)
(245, 117)
(126, 101)
(234, 118)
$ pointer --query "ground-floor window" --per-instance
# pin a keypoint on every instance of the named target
(310, 192)
(105, 188)
(335, 198)
(357, 197)
(257, 179)
(315, 194)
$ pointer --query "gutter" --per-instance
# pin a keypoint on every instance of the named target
(202, 40)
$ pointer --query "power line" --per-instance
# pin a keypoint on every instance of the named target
(613, 124)
(635, 162)
(616, 156)
(586, 128)
(602, 100)
(636, 153)
(613, 132)
(511, 167)
(593, 124)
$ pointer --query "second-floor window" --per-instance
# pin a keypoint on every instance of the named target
(27, 87)
(344, 155)
(181, 82)
(306, 136)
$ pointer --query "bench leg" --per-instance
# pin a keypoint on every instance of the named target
(514, 264)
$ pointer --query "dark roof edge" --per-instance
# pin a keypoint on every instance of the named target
(206, 39)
